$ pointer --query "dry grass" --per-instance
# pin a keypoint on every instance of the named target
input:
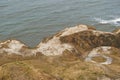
(49, 68)
(70, 65)
(99, 59)
(65, 67)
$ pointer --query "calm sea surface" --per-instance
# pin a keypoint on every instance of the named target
(31, 20)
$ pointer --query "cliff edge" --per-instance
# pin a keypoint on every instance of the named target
(75, 53)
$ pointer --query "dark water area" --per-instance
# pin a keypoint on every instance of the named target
(31, 20)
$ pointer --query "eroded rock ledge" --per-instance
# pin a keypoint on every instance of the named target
(79, 40)
(67, 53)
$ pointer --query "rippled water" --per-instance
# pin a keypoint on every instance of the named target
(31, 20)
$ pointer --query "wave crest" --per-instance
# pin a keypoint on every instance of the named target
(115, 21)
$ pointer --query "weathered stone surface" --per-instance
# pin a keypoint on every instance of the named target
(87, 40)
(75, 53)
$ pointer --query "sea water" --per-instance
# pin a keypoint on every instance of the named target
(31, 20)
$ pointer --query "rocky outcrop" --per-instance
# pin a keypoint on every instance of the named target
(78, 39)
(71, 54)
(89, 39)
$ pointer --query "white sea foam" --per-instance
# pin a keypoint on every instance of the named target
(115, 21)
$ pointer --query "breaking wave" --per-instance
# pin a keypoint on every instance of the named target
(115, 21)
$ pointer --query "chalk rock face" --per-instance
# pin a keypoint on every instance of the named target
(87, 40)
(54, 46)
(70, 54)
(15, 47)
(78, 40)
(11, 46)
